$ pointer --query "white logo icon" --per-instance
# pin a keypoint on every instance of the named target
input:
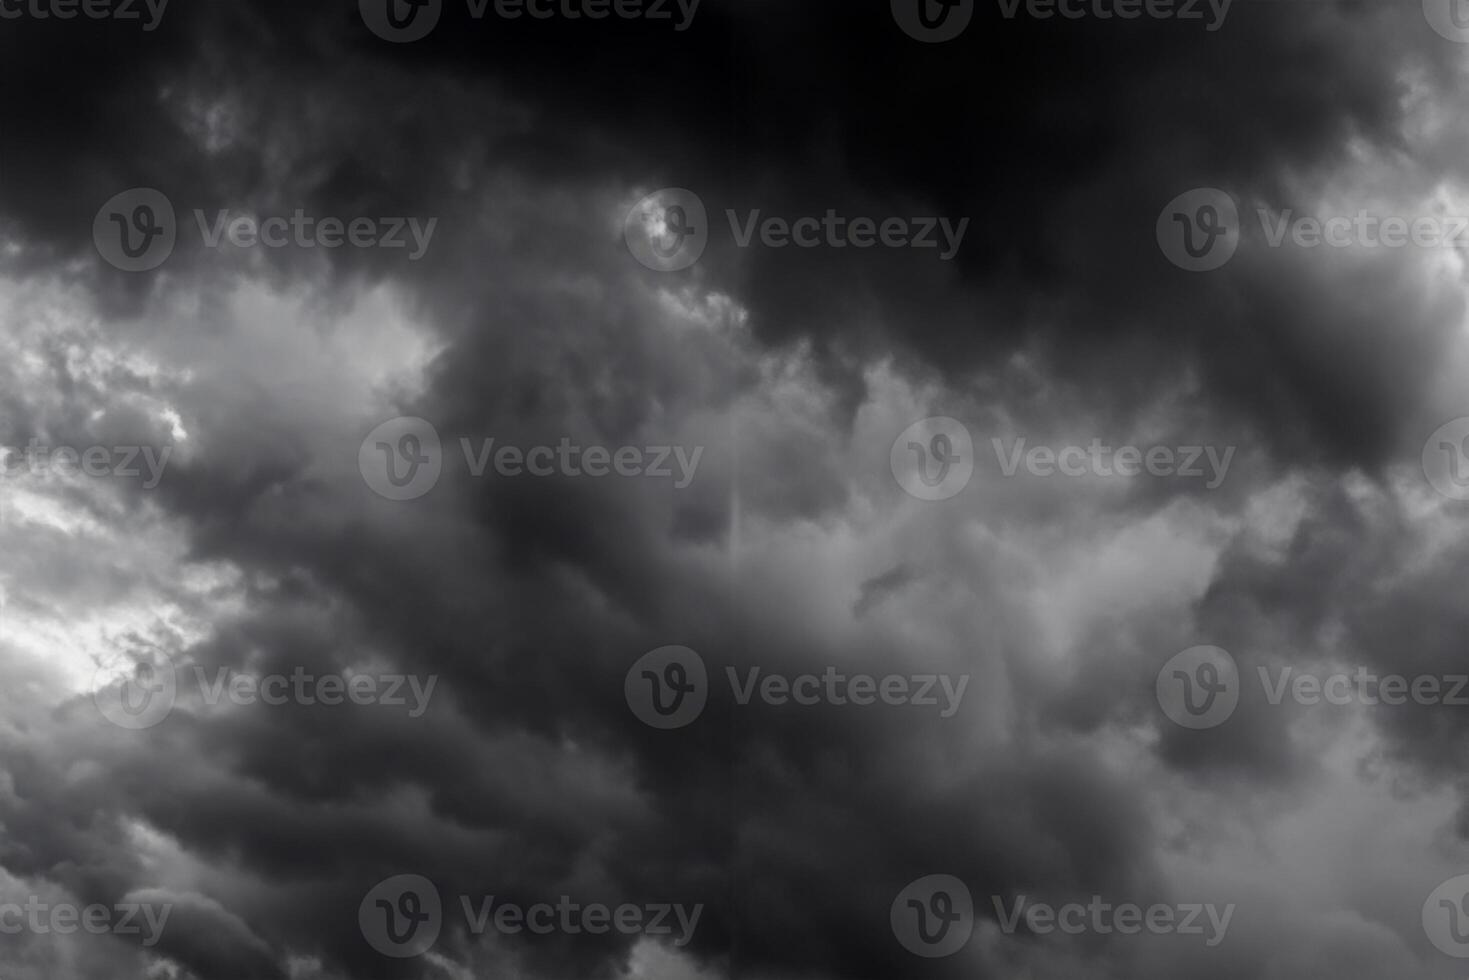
(135, 231)
(401, 21)
(667, 687)
(667, 230)
(933, 916)
(401, 916)
(1448, 18)
(933, 21)
(1199, 688)
(402, 458)
(1199, 229)
(933, 459)
(1446, 459)
(135, 693)
(1446, 917)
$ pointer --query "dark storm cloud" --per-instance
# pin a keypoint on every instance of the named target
(530, 778)
(533, 622)
(1057, 140)
(1054, 139)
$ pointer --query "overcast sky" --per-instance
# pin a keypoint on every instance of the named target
(982, 525)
